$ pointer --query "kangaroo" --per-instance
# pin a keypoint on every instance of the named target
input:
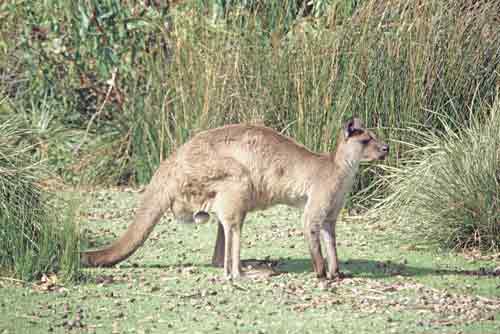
(236, 169)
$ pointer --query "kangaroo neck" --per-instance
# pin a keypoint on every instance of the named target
(345, 166)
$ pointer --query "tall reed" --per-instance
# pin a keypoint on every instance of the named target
(37, 232)
(447, 191)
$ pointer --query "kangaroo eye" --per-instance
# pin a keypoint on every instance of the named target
(365, 141)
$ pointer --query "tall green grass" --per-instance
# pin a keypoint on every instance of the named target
(447, 190)
(130, 82)
(37, 232)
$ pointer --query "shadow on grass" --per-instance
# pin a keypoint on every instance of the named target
(381, 269)
(355, 267)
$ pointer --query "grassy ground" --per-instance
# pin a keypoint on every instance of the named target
(168, 286)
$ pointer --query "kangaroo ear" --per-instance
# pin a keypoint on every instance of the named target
(352, 127)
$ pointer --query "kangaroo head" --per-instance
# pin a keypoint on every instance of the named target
(360, 144)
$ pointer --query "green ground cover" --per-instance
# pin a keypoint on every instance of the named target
(168, 286)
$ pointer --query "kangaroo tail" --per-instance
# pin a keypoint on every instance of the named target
(155, 201)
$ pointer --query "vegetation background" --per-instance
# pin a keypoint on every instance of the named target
(99, 92)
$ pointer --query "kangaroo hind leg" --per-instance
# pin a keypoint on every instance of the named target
(230, 208)
(232, 223)
(218, 256)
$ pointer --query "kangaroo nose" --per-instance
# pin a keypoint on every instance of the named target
(385, 148)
